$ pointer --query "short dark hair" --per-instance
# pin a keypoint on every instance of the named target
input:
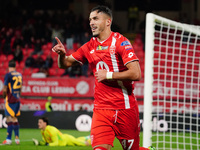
(45, 119)
(104, 9)
(11, 63)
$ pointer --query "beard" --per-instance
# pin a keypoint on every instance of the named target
(95, 34)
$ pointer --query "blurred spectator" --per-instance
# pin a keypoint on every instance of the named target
(78, 24)
(38, 47)
(2, 39)
(85, 37)
(18, 54)
(39, 25)
(7, 43)
(142, 31)
(57, 32)
(84, 69)
(133, 15)
(66, 71)
(17, 39)
(49, 61)
(44, 70)
(48, 106)
(39, 61)
(75, 71)
(27, 33)
(30, 61)
(48, 32)
(70, 42)
(69, 35)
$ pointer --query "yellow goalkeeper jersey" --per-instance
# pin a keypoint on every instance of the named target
(54, 137)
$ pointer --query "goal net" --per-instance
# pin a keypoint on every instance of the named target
(172, 85)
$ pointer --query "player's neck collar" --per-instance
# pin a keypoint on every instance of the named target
(105, 39)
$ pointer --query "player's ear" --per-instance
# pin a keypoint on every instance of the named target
(108, 22)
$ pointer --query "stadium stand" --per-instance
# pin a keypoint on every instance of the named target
(12, 35)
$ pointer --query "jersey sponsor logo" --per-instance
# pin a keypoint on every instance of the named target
(128, 47)
(99, 47)
(102, 65)
(112, 50)
(130, 54)
(124, 43)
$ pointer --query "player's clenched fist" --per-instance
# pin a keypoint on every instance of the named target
(59, 48)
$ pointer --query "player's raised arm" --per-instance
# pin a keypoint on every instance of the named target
(63, 60)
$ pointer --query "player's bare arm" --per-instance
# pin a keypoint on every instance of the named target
(4, 91)
(133, 73)
(63, 60)
(20, 91)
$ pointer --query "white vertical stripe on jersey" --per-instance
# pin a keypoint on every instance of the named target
(113, 58)
(125, 93)
(120, 83)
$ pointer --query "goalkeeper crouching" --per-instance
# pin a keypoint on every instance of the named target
(53, 137)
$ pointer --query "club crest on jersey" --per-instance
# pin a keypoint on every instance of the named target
(92, 51)
(124, 43)
(112, 50)
(99, 47)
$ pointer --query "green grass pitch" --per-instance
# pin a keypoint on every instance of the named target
(26, 143)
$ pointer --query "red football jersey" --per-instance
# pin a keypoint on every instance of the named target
(111, 54)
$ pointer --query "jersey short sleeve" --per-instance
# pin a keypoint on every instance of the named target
(6, 79)
(125, 49)
(79, 55)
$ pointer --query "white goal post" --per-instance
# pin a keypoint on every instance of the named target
(171, 119)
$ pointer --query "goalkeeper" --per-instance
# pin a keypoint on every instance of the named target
(53, 137)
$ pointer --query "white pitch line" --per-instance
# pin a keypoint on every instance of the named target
(20, 141)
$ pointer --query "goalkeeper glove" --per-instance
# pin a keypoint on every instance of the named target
(43, 143)
(151, 148)
(35, 142)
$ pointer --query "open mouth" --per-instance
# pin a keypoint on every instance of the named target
(93, 28)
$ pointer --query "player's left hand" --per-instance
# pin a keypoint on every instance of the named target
(59, 48)
(100, 75)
